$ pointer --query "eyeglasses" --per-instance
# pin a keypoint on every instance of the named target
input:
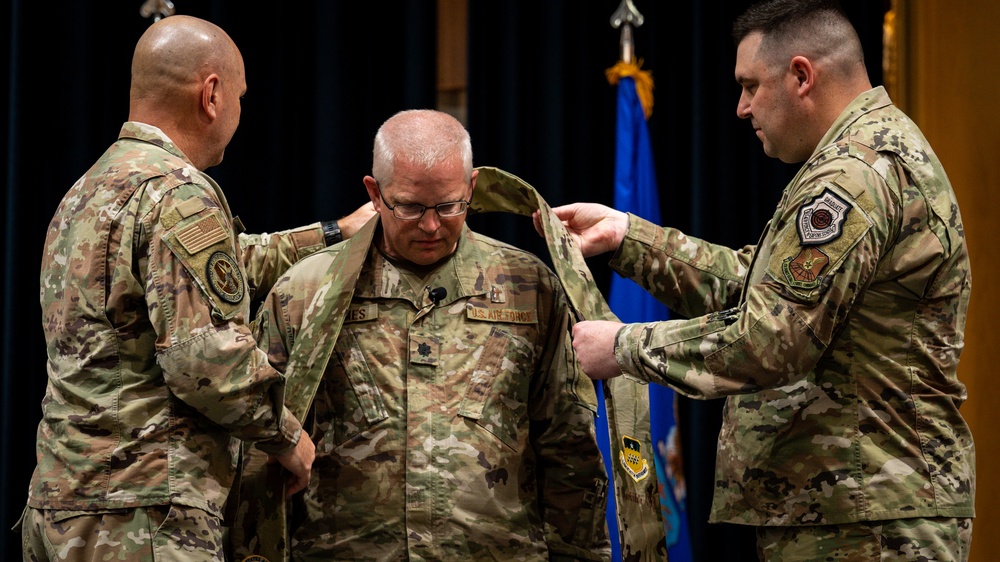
(413, 211)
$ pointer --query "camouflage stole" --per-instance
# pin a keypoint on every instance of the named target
(640, 522)
(260, 526)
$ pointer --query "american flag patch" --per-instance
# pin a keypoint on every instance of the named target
(201, 234)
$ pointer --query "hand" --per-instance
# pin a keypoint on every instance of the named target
(594, 343)
(594, 227)
(352, 223)
(298, 461)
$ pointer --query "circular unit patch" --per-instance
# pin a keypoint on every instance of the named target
(225, 278)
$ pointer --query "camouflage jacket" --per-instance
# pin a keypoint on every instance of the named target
(836, 338)
(457, 431)
(153, 376)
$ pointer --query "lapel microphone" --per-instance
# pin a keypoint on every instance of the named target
(437, 294)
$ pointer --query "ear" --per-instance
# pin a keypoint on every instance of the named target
(475, 174)
(210, 96)
(372, 187)
(804, 73)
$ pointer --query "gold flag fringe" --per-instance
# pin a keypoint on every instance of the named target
(643, 82)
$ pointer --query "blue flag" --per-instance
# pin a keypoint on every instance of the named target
(636, 192)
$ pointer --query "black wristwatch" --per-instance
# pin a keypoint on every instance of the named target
(331, 232)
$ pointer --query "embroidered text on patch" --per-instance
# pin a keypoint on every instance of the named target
(821, 219)
(510, 315)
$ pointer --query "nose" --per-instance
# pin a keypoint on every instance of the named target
(430, 221)
(743, 107)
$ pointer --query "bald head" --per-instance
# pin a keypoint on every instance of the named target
(178, 52)
(187, 80)
(420, 136)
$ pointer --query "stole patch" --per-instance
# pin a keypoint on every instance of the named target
(820, 221)
(631, 459)
(225, 278)
(803, 270)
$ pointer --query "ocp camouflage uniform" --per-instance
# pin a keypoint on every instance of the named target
(836, 337)
(153, 374)
(461, 431)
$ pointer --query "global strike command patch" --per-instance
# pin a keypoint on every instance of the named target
(820, 221)
(803, 270)
(225, 278)
(631, 458)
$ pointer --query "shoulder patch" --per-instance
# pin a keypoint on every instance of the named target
(190, 207)
(225, 278)
(202, 233)
(820, 221)
(803, 271)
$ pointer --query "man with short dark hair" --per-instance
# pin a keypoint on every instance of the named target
(836, 338)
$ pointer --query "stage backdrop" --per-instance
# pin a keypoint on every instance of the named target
(322, 75)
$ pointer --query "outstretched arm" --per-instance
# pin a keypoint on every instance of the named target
(353, 222)
(594, 343)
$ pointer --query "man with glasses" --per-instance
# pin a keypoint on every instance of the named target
(451, 420)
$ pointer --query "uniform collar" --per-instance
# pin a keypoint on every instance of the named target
(461, 275)
(866, 102)
(143, 132)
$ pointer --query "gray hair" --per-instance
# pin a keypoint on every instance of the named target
(419, 136)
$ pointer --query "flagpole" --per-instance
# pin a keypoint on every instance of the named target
(636, 509)
(656, 532)
(625, 17)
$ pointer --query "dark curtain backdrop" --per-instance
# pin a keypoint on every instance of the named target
(322, 75)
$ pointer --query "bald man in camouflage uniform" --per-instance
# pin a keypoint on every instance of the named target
(145, 291)
(452, 421)
(836, 338)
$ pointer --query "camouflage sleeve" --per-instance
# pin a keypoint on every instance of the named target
(820, 257)
(571, 475)
(277, 321)
(198, 302)
(267, 256)
(690, 276)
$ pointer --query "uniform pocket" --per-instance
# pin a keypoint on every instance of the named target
(496, 397)
(352, 403)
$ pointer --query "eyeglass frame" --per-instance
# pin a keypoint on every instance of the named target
(423, 208)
